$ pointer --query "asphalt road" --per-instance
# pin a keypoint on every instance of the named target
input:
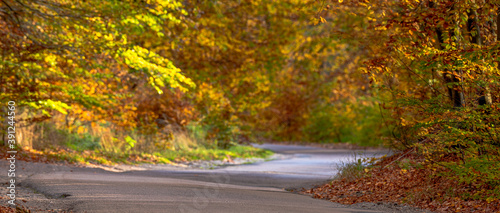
(257, 187)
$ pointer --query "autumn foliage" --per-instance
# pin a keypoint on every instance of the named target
(137, 72)
(435, 65)
(137, 76)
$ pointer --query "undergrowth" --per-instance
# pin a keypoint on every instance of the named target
(164, 157)
(102, 146)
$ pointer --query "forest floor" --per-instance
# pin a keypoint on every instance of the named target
(402, 179)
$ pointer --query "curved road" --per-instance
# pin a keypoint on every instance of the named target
(259, 187)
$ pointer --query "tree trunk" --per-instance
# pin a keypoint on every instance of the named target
(473, 24)
(450, 76)
(454, 91)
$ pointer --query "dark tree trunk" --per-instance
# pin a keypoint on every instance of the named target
(473, 26)
(451, 79)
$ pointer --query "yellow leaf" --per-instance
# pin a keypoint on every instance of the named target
(322, 20)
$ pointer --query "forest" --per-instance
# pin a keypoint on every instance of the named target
(168, 80)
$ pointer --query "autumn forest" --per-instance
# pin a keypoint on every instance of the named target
(168, 80)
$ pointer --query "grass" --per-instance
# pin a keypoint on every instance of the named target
(355, 168)
(103, 146)
(202, 153)
(163, 157)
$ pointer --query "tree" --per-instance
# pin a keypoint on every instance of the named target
(59, 55)
(419, 53)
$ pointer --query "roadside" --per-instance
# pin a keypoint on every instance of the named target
(32, 162)
(28, 199)
(42, 199)
(39, 201)
(401, 179)
(391, 185)
(51, 187)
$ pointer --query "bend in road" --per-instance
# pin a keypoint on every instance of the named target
(256, 187)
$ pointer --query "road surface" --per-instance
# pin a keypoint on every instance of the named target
(260, 187)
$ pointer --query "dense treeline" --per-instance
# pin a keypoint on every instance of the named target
(227, 71)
